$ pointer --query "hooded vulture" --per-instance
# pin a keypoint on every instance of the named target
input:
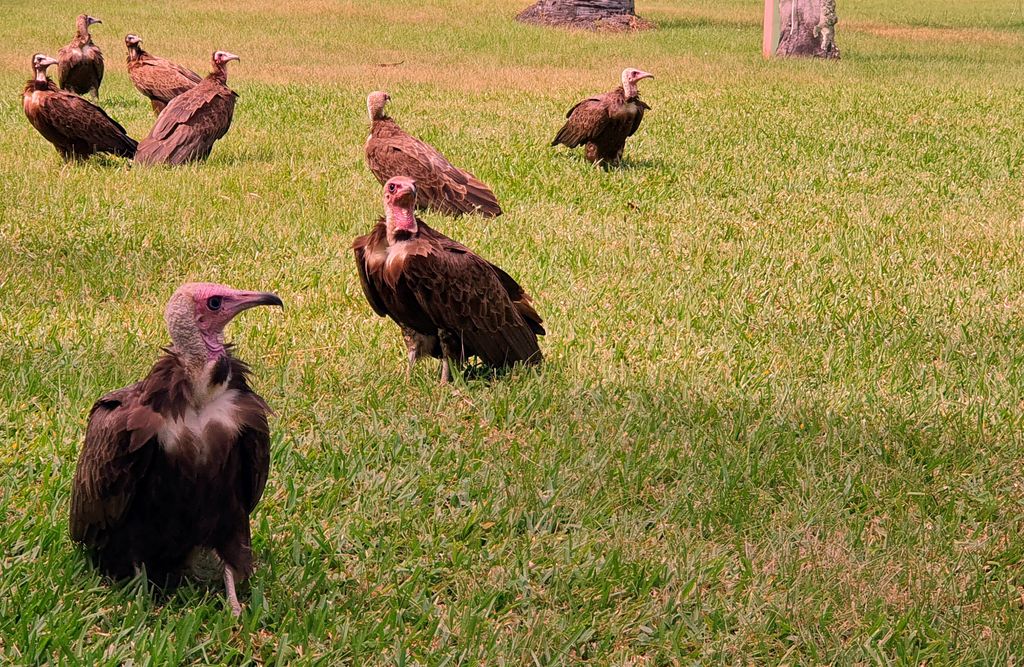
(187, 128)
(390, 151)
(75, 126)
(158, 79)
(81, 61)
(604, 122)
(177, 461)
(449, 302)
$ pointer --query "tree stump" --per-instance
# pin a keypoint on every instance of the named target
(585, 14)
(808, 29)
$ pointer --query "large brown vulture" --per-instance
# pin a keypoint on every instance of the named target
(75, 126)
(158, 79)
(390, 151)
(187, 128)
(449, 302)
(81, 61)
(604, 122)
(177, 461)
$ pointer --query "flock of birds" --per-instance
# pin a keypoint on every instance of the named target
(173, 465)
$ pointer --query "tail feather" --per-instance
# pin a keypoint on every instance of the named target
(481, 199)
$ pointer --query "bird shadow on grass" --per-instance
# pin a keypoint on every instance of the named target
(626, 164)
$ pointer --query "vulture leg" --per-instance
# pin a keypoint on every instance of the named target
(412, 346)
(229, 585)
(451, 350)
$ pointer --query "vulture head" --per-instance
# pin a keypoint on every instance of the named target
(630, 76)
(375, 102)
(400, 208)
(132, 42)
(198, 312)
(84, 21)
(40, 62)
(220, 62)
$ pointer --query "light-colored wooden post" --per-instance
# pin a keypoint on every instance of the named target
(772, 28)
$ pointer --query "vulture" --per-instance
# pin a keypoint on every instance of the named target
(158, 79)
(442, 187)
(177, 462)
(81, 61)
(449, 302)
(187, 128)
(604, 122)
(75, 126)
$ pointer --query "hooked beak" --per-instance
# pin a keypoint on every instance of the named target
(246, 300)
(45, 62)
(643, 75)
(94, 20)
(228, 57)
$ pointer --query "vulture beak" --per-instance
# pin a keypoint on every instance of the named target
(228, 57)
(241, 300)
(45, 61)
(642, 75)
(93, 19)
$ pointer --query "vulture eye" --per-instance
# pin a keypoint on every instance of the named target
(213, 303)
(391, 187)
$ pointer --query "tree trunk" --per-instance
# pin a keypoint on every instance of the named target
(808, 29)
(592, 14)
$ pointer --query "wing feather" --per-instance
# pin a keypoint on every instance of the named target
(119, 444)
(440, 185)
(586, 120)
(79, 119)
(462, 293)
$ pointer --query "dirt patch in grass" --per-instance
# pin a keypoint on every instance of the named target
(937, 35)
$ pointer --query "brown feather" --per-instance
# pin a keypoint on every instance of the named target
(80, 63)
(189, 125)
(160, 80)
(136, 502)
(435, 287)
(76, 127)
(440, 186)
(603, 123)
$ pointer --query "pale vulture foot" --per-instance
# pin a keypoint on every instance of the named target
(412, 364)
(446, 371)
(229, 585)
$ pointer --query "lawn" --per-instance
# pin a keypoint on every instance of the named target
(780, 414)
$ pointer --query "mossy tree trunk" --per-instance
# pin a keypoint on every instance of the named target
(808, 28)
(584, 13)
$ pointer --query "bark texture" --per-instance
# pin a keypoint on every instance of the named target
(587, 14)
(808, 28)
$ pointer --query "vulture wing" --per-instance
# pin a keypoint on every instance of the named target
(161, 79)
(462, 293)
(253, 438)
(68, 58)
(374, 243)
(119, 444)
(188, 126)
(80, 120)
(639, 116)
(80, 67)
(585, 121)
(520, 299)
(440, 185)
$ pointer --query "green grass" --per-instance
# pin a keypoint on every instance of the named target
(780, 416)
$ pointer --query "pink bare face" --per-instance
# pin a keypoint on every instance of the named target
(41, 61)
(375, 102)
(400, 192)
(636, 75)
(221, 58)
(216, 305)
(132, 40)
